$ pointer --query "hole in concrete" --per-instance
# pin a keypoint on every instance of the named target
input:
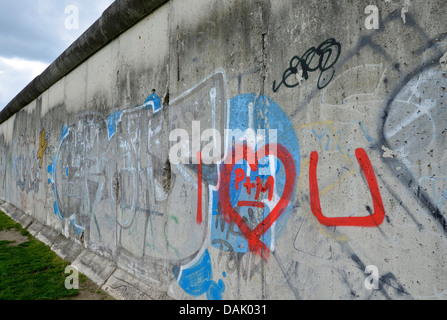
(167, 176)
(116, 187)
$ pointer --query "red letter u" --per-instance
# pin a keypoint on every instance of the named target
(372, 220)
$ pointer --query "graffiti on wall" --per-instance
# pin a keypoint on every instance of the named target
(43, 142)
(116, 173)
(109, 173)
(374, 219)
(418, 133)
(212, 187)
(321, 58)
(254, 198)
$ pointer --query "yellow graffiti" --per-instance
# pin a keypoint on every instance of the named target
(330, 124)
(42, 146)
(331, 234)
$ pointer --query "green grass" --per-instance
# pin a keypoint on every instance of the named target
(31, 271)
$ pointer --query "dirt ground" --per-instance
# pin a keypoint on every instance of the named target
(88, 290)
(13, 235)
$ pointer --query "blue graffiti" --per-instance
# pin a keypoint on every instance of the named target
(197, 279)
(76, 228)
(52, 171)
(63, 133)
(154, 101)
(112, 121)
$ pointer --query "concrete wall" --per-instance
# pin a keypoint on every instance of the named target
(355, 191)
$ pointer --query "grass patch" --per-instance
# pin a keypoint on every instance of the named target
(30, 270)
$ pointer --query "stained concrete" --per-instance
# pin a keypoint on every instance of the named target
(88, 154)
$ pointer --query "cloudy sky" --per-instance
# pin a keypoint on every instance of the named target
(33, 33)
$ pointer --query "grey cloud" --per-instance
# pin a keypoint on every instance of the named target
(35, 29)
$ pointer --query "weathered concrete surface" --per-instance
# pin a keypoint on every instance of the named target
(355, 191)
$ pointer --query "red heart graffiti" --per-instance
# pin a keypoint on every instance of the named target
(253, 236)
